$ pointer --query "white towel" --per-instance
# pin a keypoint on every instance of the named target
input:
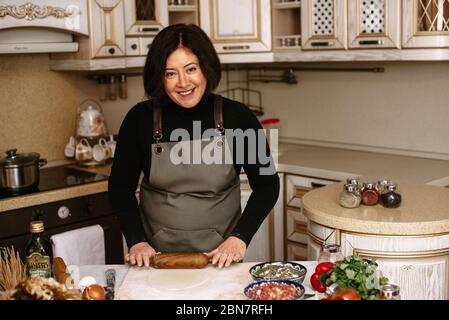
(84, 246)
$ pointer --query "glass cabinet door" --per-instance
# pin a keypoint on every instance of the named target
(323, 24)
(145, 17)
(373, 23)
(425, 24)
(237, 25)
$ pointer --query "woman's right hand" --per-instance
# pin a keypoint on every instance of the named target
(140, 254)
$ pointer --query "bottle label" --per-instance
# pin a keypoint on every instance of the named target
(38, 265)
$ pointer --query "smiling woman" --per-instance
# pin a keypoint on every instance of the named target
(184, 206)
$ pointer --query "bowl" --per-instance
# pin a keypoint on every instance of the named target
(274, 290)
(279, 270)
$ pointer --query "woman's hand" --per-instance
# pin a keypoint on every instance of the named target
(139, 254)
(231, 250)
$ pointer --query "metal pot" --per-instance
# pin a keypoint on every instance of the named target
(20, 172)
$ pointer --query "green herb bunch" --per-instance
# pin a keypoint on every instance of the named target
(356, 273)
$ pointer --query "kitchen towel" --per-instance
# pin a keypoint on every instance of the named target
(84, 246)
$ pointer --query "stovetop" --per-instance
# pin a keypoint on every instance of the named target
(59, 177)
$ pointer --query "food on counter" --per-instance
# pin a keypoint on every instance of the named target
(61, 273)
(278, 270)
(336, 293)
(315, 279)
(370, 194)
(180, 260)
(13, 270)
(391, 197)
(274, 290)
(350, 196)
(94, 292)
(38, 288)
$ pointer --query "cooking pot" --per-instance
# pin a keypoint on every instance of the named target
(20, 172)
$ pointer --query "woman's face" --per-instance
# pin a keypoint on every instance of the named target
(184, 82)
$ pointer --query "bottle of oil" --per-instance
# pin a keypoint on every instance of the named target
(38, 252)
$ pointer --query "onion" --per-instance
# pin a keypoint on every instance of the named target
(94, 292)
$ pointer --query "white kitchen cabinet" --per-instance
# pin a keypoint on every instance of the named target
(183, 11)
(237, 25)
(425, 24)
(67, 15)
(323, 24)
(107, 37)
(373, 24)
(286, 24)
(295, 228)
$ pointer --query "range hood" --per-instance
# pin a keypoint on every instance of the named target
(36, 40)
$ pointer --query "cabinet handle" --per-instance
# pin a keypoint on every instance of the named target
(134, 46)
(407, 268)
(371, 42)
(322, 44)
(148, 29)
(111, 50)
(236, 47)
(317, 185)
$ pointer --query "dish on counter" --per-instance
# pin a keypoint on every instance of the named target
(279, 270)
(274, 290)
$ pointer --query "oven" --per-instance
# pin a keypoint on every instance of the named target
(64, 215)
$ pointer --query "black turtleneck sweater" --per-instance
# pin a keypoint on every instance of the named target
(132, 156)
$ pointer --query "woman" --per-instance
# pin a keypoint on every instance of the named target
(187, 206)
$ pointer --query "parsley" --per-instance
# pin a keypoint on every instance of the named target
(356, 273)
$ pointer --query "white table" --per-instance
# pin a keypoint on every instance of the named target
(210, 283)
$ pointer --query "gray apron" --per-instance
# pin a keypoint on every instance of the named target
(189, 207)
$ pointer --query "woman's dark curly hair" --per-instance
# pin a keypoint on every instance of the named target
(168, 40)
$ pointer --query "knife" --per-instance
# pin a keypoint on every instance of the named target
(110, 284)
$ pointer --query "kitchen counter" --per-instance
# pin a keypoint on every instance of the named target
(314, 161)
(424, 211)
(210, 283)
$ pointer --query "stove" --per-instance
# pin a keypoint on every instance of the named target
(58, 177)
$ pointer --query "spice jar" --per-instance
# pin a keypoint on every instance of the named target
(331, 253)
(337, 293)
(389, 292)
(350, 196)
(370, 194)
(391, 197)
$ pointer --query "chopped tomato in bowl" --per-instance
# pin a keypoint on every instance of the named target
(274, 290)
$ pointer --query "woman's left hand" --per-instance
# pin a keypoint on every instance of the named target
(231, 250)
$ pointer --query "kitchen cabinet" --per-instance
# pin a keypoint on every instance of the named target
(373, 24)
(183, 11)
(295, 223)
(323, 24)
(143, 20)
(425, 24)
(237, 25)
(286, 24)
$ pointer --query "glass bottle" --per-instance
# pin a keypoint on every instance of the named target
(370, 194)
(391, 197)
(337, 293)
(112, 89)
(389, 292)
(331, 253)
(38, 252)
(123, 90)
(350, 196)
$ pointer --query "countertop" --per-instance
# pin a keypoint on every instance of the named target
(210, 283)
(313, 161)
(424, 211)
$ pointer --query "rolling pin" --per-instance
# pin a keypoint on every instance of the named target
(180, 260)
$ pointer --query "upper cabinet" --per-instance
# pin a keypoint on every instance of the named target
(237, 25)
(425, 24)
(373, 23)
(323, 24)
(183, 11)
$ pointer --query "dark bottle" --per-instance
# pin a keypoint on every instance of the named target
(370, 194)
(38, 252)
(391, 197)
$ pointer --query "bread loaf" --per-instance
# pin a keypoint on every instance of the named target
(180, 260)
(61, 273)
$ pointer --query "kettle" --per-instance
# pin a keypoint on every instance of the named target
(91, 122)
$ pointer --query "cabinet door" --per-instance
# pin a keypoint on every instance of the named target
(373, 23)
(425, 24)
(70, 15)
(323, 24)
(237, 25)
(107, 33)
(145, 17)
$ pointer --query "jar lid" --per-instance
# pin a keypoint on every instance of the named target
(391, 187)
(352, 181)
(14, 160)
(350, 187)
(389, 290)
(331, 247)
(37, 226)
(370, 185)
